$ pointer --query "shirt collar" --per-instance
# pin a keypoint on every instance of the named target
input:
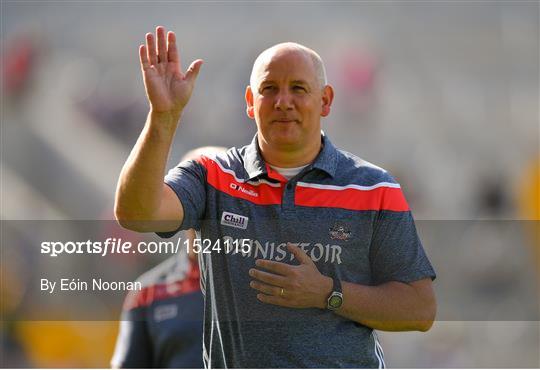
(255, 166)
(328, 157)
(253, 161)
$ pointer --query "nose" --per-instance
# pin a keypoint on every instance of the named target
(284, 100)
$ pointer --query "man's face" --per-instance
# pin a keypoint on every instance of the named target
(287, 101)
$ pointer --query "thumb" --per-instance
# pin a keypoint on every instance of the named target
(193, 70)
(299, 254)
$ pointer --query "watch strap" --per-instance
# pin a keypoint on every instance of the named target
(336, 285)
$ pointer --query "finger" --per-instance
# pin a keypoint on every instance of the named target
(143, 57)
(161, 45)
(273, 266)
(172, 51)
(275, 300)
(151, 49)
(299, 254)
(265, 288)
(268, 278)
(193, 70)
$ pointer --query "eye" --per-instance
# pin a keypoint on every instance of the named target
(267, 89)
(299, 88)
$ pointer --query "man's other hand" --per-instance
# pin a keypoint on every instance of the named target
(300, 286)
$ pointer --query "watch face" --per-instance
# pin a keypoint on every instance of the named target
(335, 301)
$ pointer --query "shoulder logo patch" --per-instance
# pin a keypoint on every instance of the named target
(234, 220)
(339, 232)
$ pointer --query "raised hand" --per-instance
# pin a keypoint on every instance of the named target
(167, 87)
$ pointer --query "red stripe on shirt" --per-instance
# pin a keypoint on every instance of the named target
(262, 194)
(157, 292)
(378, 199)
(273, 174)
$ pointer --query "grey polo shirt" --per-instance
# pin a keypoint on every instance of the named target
(348, 215)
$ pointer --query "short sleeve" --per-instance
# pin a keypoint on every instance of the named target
(396, 252)
(188, 181)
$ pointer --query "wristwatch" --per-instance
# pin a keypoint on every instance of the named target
(335, 299)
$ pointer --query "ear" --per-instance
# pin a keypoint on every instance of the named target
(249, 103)
(327, 98)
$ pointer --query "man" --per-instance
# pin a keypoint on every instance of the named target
(314, 247)
(161, 324)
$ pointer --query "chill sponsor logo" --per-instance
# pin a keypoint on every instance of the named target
(234, 220)
(241, 189)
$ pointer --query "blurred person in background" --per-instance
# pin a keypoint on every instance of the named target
(359, 264)
(161, 325)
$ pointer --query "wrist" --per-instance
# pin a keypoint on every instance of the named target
(163, 124)
(170, 118)
(326, 290)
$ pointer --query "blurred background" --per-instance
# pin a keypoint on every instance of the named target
(443, 95)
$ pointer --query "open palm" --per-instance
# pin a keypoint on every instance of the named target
(167, 87)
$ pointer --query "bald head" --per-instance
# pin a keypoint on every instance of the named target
(266, 56)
